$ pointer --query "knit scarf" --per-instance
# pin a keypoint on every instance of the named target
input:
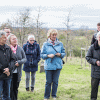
(14, 48)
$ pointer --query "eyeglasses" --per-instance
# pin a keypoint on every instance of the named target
(32, 40)
(8, 32)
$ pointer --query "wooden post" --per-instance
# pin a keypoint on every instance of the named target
(81, 57)
(85, 56)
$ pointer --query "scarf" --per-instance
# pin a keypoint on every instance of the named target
(52, 42)
(14, 48)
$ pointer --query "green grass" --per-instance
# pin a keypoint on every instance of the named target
(74, 84)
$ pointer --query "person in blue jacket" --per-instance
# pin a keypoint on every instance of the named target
(32, 51)
(52, 52)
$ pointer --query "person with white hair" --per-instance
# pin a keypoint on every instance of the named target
(32, 51)
(93, 57)
(52, 52)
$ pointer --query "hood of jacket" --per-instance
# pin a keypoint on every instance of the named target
(35, 42)
(96, 46)
(49, 41)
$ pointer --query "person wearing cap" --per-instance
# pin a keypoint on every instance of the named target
(52, 52)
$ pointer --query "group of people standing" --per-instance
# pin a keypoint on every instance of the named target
(12, 56)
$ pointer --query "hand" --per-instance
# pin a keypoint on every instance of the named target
(58, 54)
(51, 55)
(16, 64)
(6, 71)
(98, 63)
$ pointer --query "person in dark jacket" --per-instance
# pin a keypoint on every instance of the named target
(20, 59)
(32, 51)
(93, 57)
(94, 36)
(7, 61)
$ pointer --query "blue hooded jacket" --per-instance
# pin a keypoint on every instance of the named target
(32, 52)
(55, 62)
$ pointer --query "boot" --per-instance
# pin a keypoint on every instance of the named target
(27, 89)
(32, 89)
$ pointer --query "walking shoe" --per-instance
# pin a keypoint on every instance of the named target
(32, 89)
(54, 98)
(27, 89)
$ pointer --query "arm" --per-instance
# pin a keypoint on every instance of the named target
(38, 53)
(62, 51)
(43, 52)
(23, 60)
(93, 40)
(24, 47)
(1, 66)
(89, 56)
(11, 65)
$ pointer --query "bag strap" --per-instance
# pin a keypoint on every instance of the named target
(54, 48)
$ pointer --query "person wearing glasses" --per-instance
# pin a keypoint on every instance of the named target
(32, 51)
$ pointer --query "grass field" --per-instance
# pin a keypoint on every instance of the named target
(74, 84)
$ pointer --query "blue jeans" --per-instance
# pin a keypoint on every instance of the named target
(5, 89)
(52, 77)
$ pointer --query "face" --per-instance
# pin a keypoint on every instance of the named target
(31, 40)
(13, 40)
(7, 32)
(53, 36)
(98, 28)
(3, 40)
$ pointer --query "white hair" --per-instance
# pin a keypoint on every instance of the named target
(98, 34)
(31, 36)
(2, 33)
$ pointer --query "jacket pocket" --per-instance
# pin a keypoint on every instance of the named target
(97, 68)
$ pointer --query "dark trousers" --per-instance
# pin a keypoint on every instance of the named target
(14, 86)
(94, 88)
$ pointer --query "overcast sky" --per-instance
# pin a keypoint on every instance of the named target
(54, 12)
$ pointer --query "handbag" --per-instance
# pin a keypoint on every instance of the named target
(57, 52)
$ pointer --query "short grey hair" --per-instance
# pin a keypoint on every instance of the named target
(2, 33)
(31, 36)
(98, 34)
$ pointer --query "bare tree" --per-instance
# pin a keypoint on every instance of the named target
(68, 32)
(23, 23)
(7, 24)
(39, 24)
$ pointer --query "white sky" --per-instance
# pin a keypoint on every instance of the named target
(87, 15)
